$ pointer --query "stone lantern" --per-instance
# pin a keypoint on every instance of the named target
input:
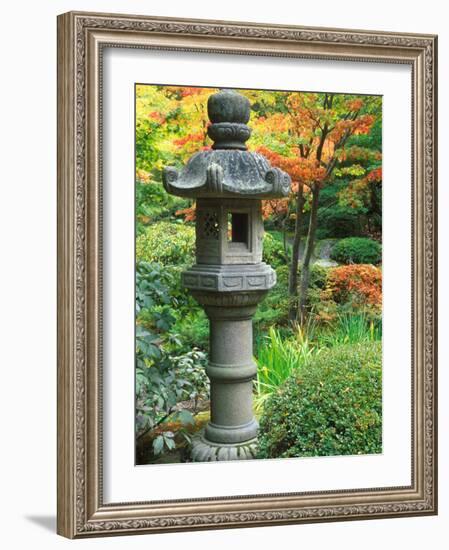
(229, 278)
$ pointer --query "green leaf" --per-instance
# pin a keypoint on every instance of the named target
(158, 445)
(186, 417)
(169, 441)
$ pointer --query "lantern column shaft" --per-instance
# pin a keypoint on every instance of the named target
(231, 371)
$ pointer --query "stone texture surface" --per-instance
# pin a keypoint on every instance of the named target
(214, 240)
(228, 106)
(206, 451)
(228, 169)
(227, 173)
(230, 278)
(231, 371)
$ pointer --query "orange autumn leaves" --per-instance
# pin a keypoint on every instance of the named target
(303, 172)
(302, 133)
(157, 117)
(310, 113)
(316, 128)
(359, 190)
(360, 282)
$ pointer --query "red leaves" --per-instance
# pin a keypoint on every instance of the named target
(360, 125)
(362, 282)
(158, 117)
(358, 192)
(305, 170)
(274, 207)
(188, 213)
(356, 154)
(186, 92)
(189, 138)
(375, 176)
(355, 104)
(363, 124)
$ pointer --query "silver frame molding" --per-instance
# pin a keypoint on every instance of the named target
(81, 38)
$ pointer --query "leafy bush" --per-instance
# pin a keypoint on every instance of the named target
(357, 250)
(153, 365)
(359, 284)
(317, 285)
(192, 327)
(273, 251)
(163, 377)
(318, 277)
(166, 243)
(154, 310)
(274, 308)
(338, 221)
(153, 203)
(331, 406)
(160, 386)
(153, 286)
(165, 307)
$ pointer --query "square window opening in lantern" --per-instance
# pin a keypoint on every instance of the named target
(238, 229)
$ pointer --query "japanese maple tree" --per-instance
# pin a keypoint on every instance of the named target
(315, 128)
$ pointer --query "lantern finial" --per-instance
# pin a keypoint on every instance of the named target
(229, 113)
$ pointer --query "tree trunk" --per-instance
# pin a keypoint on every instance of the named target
(310, 244)
(293, 275)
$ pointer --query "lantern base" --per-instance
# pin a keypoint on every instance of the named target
(208, 451)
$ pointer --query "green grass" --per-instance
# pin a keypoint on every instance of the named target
(351, 328)
(277, 358)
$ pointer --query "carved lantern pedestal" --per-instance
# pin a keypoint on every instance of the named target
(229, 278)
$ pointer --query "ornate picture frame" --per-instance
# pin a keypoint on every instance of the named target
(82, 38)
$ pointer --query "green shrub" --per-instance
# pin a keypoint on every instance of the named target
(357, 250)
(273, 251)
(153, 203)
(192, 327)
(331, 406)
(155, 304)
(166, 243)
(165, 373)
(318, 276)
(338, 221)
(274, 307)
(160, 386)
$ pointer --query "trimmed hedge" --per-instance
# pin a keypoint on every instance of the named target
(332, 406)
(357, 250)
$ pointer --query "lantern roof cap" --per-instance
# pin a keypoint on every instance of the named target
(228, 169)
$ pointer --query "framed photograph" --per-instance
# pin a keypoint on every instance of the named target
(246, 274)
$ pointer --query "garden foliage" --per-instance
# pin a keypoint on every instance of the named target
(331, 406)
(318, 387)
(357, 250)
(274, 252)
(163, 378)
(167, 243)
(359, 284)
